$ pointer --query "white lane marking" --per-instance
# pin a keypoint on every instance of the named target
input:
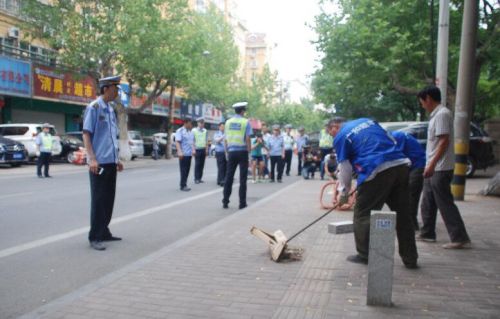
(16, 194)
(83, 230)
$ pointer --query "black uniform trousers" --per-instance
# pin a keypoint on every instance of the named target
(102, 200)
(387, 187)
(236, 158)
(299, 167)
(185, 166)
(437, 195)
(43, 160)
(324, 152)
(221, 167)
(199, 163)
(276, 163)
(416, 185)
(288, 160)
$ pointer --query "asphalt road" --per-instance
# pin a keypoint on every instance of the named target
(44, 252)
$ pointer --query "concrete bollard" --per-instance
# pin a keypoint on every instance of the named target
(340, 227)
(381, 258)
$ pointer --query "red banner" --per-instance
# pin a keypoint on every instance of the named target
(63, 86)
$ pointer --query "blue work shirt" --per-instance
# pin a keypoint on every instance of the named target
(219, 141)
(366, 145)
(100, 121)
(275, 144)
(301, 140)
(186, 140)
(411, 148)
(248, 132)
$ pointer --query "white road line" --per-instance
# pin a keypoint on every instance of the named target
(51, 239)
(16, 194)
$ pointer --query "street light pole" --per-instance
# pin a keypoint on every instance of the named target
(442, 49)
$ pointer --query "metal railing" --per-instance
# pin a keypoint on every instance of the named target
(12, 7)
(28, 55)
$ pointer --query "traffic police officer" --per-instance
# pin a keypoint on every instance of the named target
(301, 140)
(276, 146)
(382, 178)
(325, 146)
(238, 131)
(100, 133)
(44, 141)
(220, 154)
(288, 140)
(184, 142)
(201, 145)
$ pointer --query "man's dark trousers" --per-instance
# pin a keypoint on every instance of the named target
(102, 199)
(324, 152)
(43, 160)
(299, 167)
(437, 195)
(234, 159)
(391, 187)
(278, 164)
(221, 167)
(185, 166)
(199, 164)
(288, 160)
(416, 185)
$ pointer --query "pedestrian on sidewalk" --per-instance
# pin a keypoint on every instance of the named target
(301, 140)
(156, 148)
(258, 145)
(276, 146)
(44, 141)
(220, 154)
(382, 179)
(438, 174)
(201, 144)
(265, 152)
(184, 143)
(414, 151)
(100, 131)
(289, 142)
(238, 131)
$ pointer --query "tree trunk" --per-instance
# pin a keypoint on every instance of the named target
(168, 151)
(121, 113)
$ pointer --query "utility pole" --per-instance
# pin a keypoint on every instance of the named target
(463, 105)
(442, 49)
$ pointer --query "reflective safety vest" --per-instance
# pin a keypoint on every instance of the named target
(288, 141)
(200, 138)
(325, 139)
(235, 131)
(47, 141)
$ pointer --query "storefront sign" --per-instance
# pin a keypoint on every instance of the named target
(191, 110)
(159, 106)
(63, 86)
(212, 114)
(124, 92)
(15, 77)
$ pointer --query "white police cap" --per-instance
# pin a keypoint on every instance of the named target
(110, 80)
(240, 105)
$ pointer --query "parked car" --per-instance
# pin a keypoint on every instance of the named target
(26, 134)
(163, 142)
(395, 126)
(481, 154)
(12, 152)
(70, 145)
(136, 144)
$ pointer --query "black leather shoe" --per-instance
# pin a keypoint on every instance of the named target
(243, 206)
(185, 189)
(280, 181)
(201, 181)
(112, 238)
(411, 265)
(48, 176)
(225, 205)
(196, 181)
(357, 259)
(40, 176)
(97, 245)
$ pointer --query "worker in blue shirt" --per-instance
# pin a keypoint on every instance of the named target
(100, 131)
(415, 152)
(220, 154)
(200, 134)
(276, 147)
(238, 131)
(382, 171)
(184, 142)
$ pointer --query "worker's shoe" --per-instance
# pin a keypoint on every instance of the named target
(412, 265)
(185, 189)
(357, 259)
(225, 205)
(97, 245)
(112, 238)
(419, 237)
(461, 245)
(242, 206)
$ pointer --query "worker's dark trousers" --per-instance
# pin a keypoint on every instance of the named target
(299, 167)
(199, 164)
(221, 167)
(387, 187)
(278, 164)
(416, 185)
(437, 195)
(324, 152)
(102, 199)
(234, 159)
(185, 166)
(288, 160)
(43, 160)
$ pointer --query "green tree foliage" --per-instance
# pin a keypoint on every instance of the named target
(378, 54)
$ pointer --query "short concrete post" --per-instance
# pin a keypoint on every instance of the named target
(381, 258)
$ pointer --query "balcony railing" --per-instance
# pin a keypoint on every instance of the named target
(12, 7)
(28, 55)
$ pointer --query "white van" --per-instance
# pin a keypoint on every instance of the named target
(136, 144)
(26, 133)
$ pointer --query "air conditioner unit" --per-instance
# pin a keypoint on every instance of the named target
(13, 32)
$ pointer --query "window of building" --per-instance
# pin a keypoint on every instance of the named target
(10, 6)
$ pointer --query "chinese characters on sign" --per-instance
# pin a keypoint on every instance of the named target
(63, 86)
(15, 77)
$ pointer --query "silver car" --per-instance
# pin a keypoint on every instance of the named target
(136, 144)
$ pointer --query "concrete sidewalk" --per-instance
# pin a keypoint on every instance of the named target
(225, 272)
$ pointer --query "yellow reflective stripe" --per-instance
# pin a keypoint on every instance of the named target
(235, 131)
(47, 142)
